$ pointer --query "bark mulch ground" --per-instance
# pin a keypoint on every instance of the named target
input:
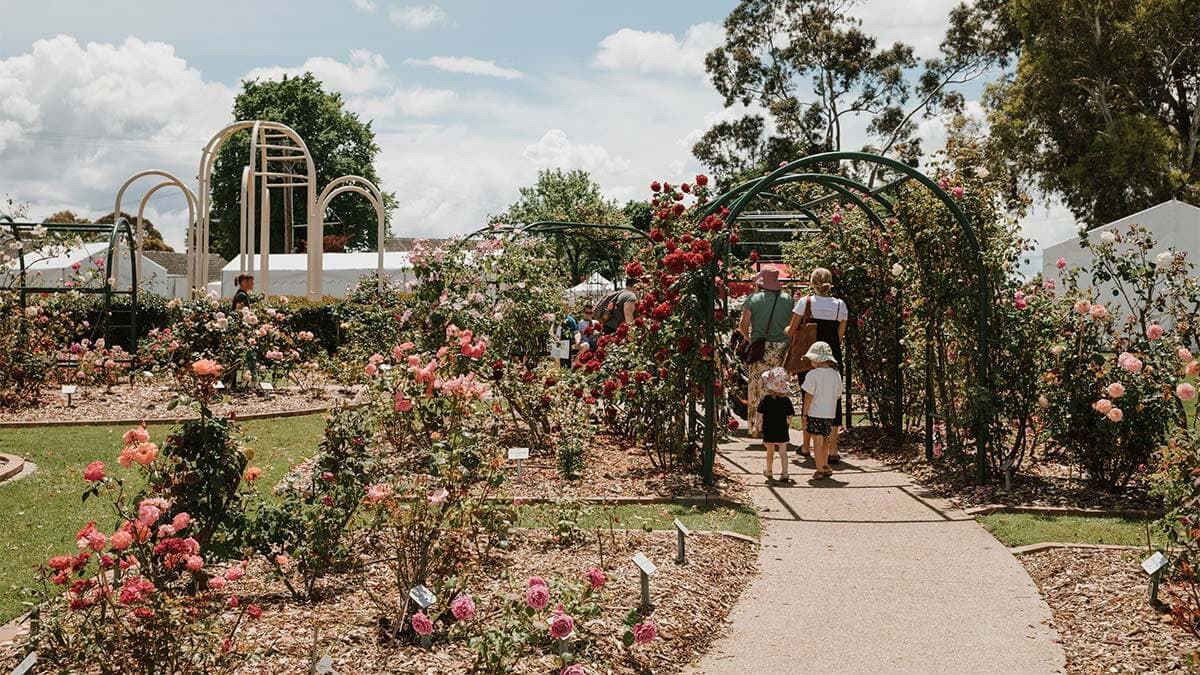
(1101, 611)
(148, 401)
(691, 601)
(1044, 481)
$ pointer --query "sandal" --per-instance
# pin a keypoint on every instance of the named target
(787, 479)
(835, 459)
(770, 478)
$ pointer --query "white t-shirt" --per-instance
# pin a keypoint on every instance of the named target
(824, 385)
(823, 308)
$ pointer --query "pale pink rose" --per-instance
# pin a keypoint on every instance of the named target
(644, 632)
(378, 492)
(1115, 390)
(1061, 263)
(234, 573)
(1185, 391)
(181, 521)
(1083, 306)
(148, 514)
(575, 668)
(1192, 369)
(282, 560)
(371, 369)
(1098, 311)
(1102, 406)
(1134, 365)
(537, 597)
(195, 563)
(1154, 332)
(438, 496)
(1184, 354)
(595, 577)
(165, 531)
(136, 435)
(1115, 415)
(463, 607)
(216, 583)
(421, 624)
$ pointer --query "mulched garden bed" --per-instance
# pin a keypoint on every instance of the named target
(691, 601)
(148, 401)
(1100, 607)
(1044, 482)
(613, 468)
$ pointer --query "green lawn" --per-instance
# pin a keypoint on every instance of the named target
(741, 519)
(1021, 529)
(40, 514)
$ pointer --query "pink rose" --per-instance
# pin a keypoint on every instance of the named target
(378, 492)
(234, 573)
(1192, 369)
(181, 521)
(216, 583)
(958, 191)
(463, 607)
(1185, 391)
(402, 403)
(1115, 415)
(1061, 263)
(537, 597)
(194, 563)
(136, 435)
(438, 496)
(1184, 354)
(94, 472)
(1083, 306)
(1098, 311)
(536, 581)
(644, 632)
(595, 577)
(1115, 390)
(371, 369)
(148, 514)
(1102, 406)
(120, 540)
(165, 531)
(561, 624)
(421, 624)
(1154, 332)
(282, 560)
(573, 669)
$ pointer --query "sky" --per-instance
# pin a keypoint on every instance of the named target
(468, 98)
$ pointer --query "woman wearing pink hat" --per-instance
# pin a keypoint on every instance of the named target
(765, 316)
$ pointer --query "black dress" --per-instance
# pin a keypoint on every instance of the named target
(827, 332)
(775, 411)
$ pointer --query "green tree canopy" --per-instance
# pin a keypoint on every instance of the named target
(1103, 108)
(152, 239)
(572, 196)
(339, 142)
(811, 70)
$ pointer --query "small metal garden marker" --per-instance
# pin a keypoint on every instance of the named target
(69, 390)
(682, 533)
(424, 599)
(1154, 566)
(520, 455)
(647, 568)
(218, 385)
(26, 665)
(267, 387)
(325, 666)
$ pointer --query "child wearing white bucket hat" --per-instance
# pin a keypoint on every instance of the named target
(823, 384)
(777, 411)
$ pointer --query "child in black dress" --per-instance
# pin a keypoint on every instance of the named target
(777, 411)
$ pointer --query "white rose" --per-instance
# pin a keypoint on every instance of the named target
(1108, 237)
(897, 269)
(982, 173)
(1164, 260)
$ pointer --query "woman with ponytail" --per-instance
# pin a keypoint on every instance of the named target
(830, 314)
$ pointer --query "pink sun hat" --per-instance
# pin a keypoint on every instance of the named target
(768, 278)
(777, 381)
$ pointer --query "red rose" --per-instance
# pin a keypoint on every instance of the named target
(678, 209)
(701, 180)
(634, 270)
(733, 424)
(655, 187)
(685, 187)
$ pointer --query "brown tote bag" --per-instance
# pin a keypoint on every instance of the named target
(800, 342)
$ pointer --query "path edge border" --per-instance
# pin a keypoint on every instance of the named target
(990, 509)
(13, 464)
(298, 412)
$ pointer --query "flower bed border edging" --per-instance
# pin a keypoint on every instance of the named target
(12, 465)
(1061, 511)
(298, 412)
(1048, 545)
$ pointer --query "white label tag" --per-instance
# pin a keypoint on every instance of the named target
(561, 349)
(1154, 563)
(644, 564)
(518, 453)
(682, 528)
(422, 596)
(266, 386)
(69, 389)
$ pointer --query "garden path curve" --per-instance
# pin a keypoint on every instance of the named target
(863, 574)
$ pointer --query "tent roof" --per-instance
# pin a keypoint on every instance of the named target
(366, 260)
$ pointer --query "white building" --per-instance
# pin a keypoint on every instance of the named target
(84, 265)
(289, 272)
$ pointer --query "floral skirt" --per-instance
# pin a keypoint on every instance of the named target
(772, 357)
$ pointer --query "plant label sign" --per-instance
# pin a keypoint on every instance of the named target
(69, 389)
(644, 564)
(422, 596)
(218, 385)
(518, 453)
(1154, 563)
(561, 349)
(266, 386)
(682, 528)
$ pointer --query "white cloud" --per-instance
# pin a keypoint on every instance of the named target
(418, 17)
(468, 65)
(646, 52)
(418, 102)
(554, 149)
(366, 5)
(920, 23)
(76, 120)
(365, 72)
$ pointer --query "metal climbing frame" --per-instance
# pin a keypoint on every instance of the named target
(119, 227)
(847, 190)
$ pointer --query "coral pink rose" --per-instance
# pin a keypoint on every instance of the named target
(1192, 369)
(1115, 390)
(1115, 415)
(206, 368)
(282, 560)
(234, 573)
(421, 624)
(1184, 354)
(252, 474)
(181, 521)
(561, 624)
(595, 577)
(537, 597)
(94, 472)
(402, 404)
(378, 492)
(1185, 391)
(217, 583)
(1098, 311)
(120, 540)
(1102, 406)
(644, 632)
(463, 607)
(1083, 306)
(142, 453)
(195, 563)
(136, 435)
(1155, 332)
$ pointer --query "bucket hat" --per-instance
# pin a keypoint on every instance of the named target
(777, 381)
(820, 352)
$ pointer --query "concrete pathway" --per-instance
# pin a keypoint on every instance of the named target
(862, 574)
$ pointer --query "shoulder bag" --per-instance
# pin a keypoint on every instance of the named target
(800, 341)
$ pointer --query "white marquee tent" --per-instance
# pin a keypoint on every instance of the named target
(84, 262)
(592, 287)
(289, 272)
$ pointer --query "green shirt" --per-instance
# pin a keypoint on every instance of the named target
(759, 305)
